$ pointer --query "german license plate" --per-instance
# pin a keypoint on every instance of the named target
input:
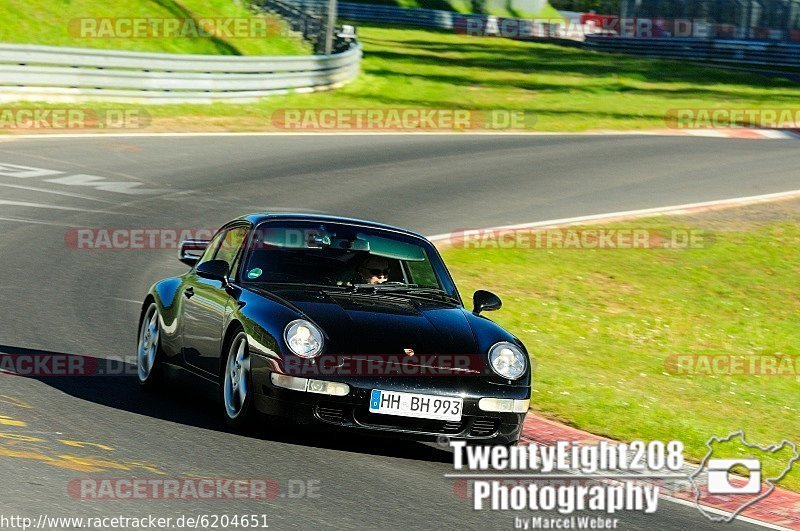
(414, 405)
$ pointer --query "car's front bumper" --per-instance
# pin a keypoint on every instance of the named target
(351, 412)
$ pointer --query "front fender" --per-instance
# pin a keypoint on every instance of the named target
(488, 333)
(263, 319)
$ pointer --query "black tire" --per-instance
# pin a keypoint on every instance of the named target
(235, 380)
(148, 349)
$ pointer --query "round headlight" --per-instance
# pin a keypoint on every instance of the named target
(508, 360)
(303, 338)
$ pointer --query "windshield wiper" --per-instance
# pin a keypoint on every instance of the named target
(406, 289)
(310, 285)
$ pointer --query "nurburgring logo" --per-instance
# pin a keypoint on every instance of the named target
(721, 481)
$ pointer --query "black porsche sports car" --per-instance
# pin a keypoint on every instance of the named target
(338, 321)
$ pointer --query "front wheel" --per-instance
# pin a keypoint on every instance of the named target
(148, 351)
(237, 395)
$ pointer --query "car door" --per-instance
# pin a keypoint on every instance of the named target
(205, 302)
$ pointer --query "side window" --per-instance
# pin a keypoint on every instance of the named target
(229, 250)
(211, 250)
(422, 274)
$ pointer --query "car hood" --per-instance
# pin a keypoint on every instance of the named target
(368, 324)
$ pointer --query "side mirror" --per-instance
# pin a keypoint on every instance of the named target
(192, 250)
(485, 301)
(214, 270)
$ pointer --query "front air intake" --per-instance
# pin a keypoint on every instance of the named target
(484, 427)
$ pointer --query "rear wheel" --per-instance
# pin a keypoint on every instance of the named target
(149, 348)
(237, 394)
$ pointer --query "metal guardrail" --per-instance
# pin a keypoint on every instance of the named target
(309, 18)
(312, 27)
(747, 53)
(470, 24)
(417, 17)
(59, 73)
(422, 18)
(722, 51)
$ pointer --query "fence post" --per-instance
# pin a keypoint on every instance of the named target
(331, 27)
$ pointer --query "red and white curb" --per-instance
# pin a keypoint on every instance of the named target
(780, 510)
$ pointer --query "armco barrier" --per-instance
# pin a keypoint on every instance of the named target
(52, 73)
(436, 19)
(770, 54)
(422, 18)
(312, 25)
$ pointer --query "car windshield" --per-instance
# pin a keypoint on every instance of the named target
(344, 256)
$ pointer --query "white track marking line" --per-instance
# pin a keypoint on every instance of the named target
(299, 133)
(38, 222)
(46, 191)
(78, 167)
(56, 207)
(53, 207)
(645, 212)
(767, 134)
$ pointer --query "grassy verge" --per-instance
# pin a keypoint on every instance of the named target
(602, 325)
(57, 23)
(564, 89)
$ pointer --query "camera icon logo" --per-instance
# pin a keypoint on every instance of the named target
(726, 476)
(720, 480)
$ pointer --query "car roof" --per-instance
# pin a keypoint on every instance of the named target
(257, 218)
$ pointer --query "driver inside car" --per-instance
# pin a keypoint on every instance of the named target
(374, 270)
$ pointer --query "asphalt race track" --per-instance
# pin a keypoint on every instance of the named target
(65, 300)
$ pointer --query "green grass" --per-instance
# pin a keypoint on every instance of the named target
(563, 89)
(48, 22)
(601, 325)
